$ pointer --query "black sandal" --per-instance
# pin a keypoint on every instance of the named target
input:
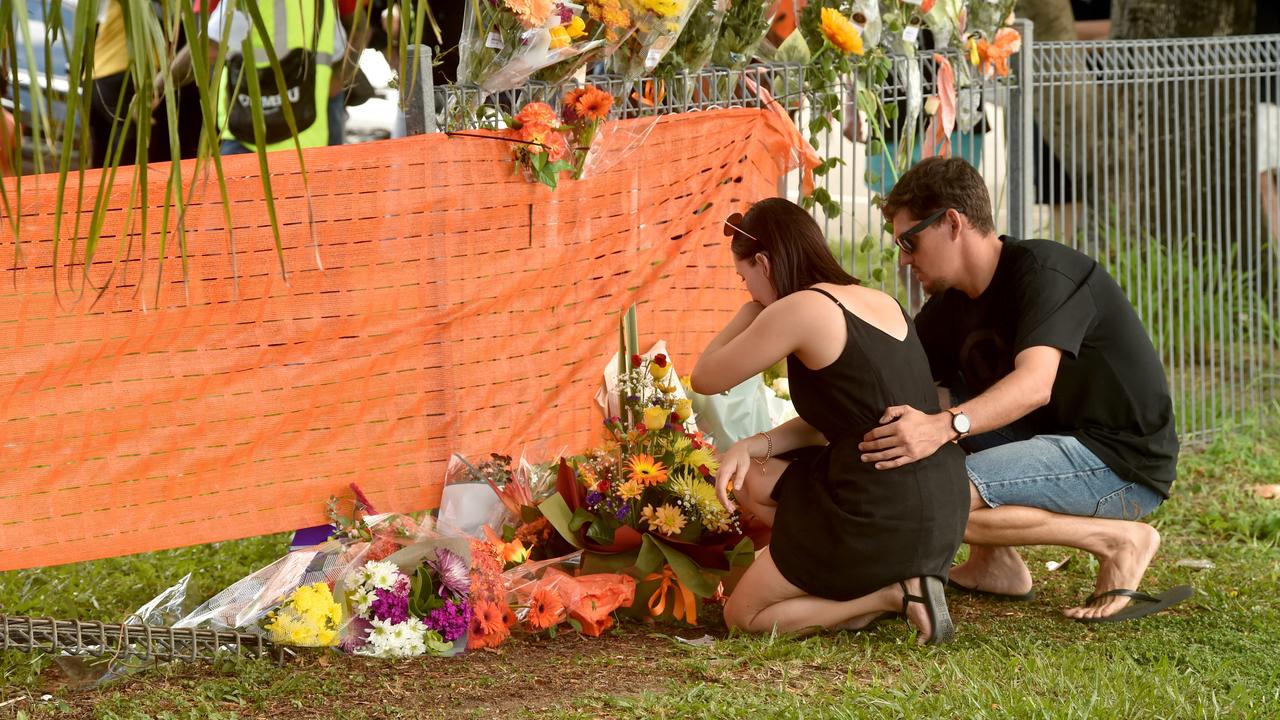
(935, 605)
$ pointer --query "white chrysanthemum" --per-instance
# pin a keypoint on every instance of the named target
(399, 640)
(381, 575)
(361, 599)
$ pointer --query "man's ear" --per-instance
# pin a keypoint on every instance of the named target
(956, 223)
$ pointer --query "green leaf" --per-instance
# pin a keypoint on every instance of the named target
(742, 554)
(556, 511)
(793, 50)
(868, 244)
(602, 530)
(702, 582)
(598, 562)
(877, 274)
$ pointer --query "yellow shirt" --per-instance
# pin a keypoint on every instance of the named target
(111, 50)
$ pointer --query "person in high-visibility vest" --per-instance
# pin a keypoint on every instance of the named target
(306, 38)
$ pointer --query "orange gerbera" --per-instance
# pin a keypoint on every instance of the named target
(593, 103)
(536, 113)
(532, 13)
(994, 56)
(647, 471)
(557, 146)
(488, 618)
(840, 32)
(545, 609)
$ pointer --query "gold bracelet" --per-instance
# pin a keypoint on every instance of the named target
(768, 453)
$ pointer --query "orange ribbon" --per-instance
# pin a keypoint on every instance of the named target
(684, 606)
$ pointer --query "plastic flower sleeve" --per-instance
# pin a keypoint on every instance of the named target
(468, 503)
(745, 24)
(544, 595)
(504, 42)
(693, 49)
(658, 24)
(163, 609)
(596, 29)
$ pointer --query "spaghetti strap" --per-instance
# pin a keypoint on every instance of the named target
(824, 292)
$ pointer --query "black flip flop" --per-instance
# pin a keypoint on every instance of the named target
(1029, 595)
(935, 605)
(1145, 605)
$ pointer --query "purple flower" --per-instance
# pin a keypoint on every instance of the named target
(593, 498)
(455, 576)
(389, 606)
(566, 14)
(451, 620)
(356, 636)
(622, 513)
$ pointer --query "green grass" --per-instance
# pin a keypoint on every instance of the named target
(1213, 656)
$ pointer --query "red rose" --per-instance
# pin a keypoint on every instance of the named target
(660, 360)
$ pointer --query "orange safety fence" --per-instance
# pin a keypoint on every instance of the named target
(460, 308)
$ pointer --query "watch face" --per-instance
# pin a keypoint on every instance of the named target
(961, 423)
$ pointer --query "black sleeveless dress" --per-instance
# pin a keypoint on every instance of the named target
(843, 529)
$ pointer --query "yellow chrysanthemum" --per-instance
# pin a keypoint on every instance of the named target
(699, 497)
(667, 520)
(646, 471)
(309, 618)
(703, 456)
(840, 32)
(663, 8)
(630, 490)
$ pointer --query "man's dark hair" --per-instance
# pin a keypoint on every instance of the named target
(937, 183)
(787, 234)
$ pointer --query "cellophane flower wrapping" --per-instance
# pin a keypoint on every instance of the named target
(550, 595)
(658, 24)
(745, 24)
(504, 42)
(697, 42)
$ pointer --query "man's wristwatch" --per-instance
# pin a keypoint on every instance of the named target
(960, 423)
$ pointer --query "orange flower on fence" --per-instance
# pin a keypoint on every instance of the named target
(840, 32)
(993, 57)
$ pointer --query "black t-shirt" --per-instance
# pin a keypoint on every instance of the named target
(1110, 392)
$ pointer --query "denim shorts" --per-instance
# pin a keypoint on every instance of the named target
(1055, 473)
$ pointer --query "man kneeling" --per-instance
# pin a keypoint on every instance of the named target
(1058, 395)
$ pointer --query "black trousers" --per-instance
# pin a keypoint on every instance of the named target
(108, 92)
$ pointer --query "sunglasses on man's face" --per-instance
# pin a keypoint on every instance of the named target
(733, 224)
(907, 240)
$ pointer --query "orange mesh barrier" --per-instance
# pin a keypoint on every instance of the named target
(460, 308)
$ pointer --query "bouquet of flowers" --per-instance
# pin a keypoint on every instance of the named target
(381, 534)
(598, 28)
(657, 24)
(541, 147)
(545, 597)
(310, 617)
(504, 42)
(744, 26)
(415, 602)
(647, 497)
(692, 51)
(584, 110)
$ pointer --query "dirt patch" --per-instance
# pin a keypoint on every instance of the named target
(523, 675)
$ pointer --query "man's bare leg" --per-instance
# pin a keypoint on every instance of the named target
(1123, 548)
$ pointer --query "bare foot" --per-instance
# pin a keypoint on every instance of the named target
(860, 622)
(1129, 551)
(917, 614)
(993, 569)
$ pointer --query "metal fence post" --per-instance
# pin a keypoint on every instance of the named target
(1020, 135)
(420, 110)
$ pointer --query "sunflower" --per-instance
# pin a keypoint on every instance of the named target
(840, 32)
(667, 520)
(545, 609)
(646, 471)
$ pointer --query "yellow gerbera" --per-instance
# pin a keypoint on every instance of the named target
(840, 32)
(646, 471)
(667, 520)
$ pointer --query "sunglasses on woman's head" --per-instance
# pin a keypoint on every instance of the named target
(733, 224)
(906, 241)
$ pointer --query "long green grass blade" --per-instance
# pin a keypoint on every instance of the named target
(259, 141)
